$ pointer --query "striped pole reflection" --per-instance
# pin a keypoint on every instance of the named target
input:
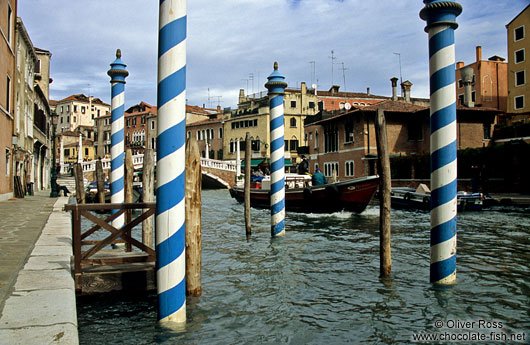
(170, 211)
(276, 87)
(441, 23)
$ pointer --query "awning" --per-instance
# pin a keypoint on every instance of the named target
(255, 162)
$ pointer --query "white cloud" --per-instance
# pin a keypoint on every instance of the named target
(232, 39)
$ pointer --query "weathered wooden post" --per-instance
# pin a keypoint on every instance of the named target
(100, 178)
(276, 86)
(79, 183)
(385, 187)
(193, 218)
(441, 24)
(117, 74)
(247, 184)
(170, 214)
(148, 195)
(129, 175)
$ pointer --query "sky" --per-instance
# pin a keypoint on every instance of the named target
(232, 44)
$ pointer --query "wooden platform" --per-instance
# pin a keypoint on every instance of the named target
(109, 275)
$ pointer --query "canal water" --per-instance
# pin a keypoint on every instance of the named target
(320, 283)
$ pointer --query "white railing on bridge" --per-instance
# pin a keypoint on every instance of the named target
(138, 162)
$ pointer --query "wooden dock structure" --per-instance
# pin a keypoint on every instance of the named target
(98, 269)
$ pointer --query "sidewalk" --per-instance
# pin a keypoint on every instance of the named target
(37, 295)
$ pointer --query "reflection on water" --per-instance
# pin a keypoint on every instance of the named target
(319, 284)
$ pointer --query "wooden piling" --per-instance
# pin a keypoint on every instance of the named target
(100, 178)
(247, 183)
(385, 187)
(193, 218)
(79, 184)
(148, 195)
(128, 188)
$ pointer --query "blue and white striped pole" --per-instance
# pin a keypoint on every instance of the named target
(441, 24)
(117, 74)
(170, 211)
(276, 87)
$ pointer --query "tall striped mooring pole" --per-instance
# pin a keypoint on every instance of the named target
(170, 210)
(441, 24)
(276, 86)
(117, 74)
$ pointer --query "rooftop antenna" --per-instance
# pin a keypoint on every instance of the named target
(219, 100)
(251, 77)
(247, 84)
(332, 62)
(312, 71)
(400, 76)
(344, 75)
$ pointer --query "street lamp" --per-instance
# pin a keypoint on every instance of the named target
(54, 193)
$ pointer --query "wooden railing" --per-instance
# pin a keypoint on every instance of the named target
(94, 255)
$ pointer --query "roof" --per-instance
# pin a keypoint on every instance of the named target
(142, 107)
(395, 106)
(82, 98)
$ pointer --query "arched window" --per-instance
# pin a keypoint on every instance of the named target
(293, 122)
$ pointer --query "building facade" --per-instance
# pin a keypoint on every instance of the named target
(518, 31)
(489, 87)
(79, 110)
(8, 9)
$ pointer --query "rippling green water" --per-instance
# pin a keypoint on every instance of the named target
(320, 283)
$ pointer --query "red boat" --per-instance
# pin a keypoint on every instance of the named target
(351, 195)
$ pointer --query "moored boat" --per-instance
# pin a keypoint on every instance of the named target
(420, 199)
(350, 195)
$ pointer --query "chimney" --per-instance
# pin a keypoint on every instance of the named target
(367, 90)
(459, 64)
(241, 95)
(467, 78)
(394, 88)
(479, 53)
(405, 88)
(304, 88)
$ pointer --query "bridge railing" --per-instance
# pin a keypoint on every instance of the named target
(215, 164)
(138, 162)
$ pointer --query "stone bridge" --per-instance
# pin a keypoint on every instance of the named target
(215, 173)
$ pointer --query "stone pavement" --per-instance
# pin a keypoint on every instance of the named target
(37, 293)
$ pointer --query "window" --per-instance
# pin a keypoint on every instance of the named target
(9, 19)
(61, 108)
(92, 116)
(153, 143)
(520, 78)
(231, 146)
(8, 164)
(461, 99)
(331, 140)
(293, 145)
(68, 119)
(75, 119)
(331, 168)
(62, 119)
(286, 145)
(255, 145)
(255, 122)
(128, 122)
(220, 133)
(134, 121)
(67, 152)
(519, 56)
(293, 104)
(198, 135)
(473, 96)
(203, 135)
(518, 33)
(519, 102)
(350, 168)
(188, 135)
(68, 108)
(348, 132)
(212, 133)
(98, 112)
(8, 92)
(487, 131)
(153, 124)
(293, 122)
(460, 83)
(415, 132)
(75, 108)
(311, 105)
(83, 110)
(316, 140)
(143, 120)
(86, 151)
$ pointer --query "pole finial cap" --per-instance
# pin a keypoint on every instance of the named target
(118, 53)
(275, 65)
